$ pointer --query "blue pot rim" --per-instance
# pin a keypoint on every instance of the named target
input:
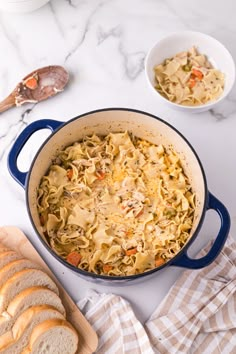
(117, 279)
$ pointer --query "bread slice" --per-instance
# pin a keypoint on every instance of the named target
(53, 336)
(22, 280)
(15, 266)
(37, 295)
(7, 257)
(14, 341)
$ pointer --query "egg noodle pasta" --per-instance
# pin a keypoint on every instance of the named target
(189, 79)
(116, 205)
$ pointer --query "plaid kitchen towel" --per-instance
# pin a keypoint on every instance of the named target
(198, 315)
(116, 325)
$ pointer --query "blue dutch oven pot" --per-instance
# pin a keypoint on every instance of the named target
(143, 125)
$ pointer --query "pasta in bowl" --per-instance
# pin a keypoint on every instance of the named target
(190, 71)
(116, 205)
(189, 79)
(116, 195)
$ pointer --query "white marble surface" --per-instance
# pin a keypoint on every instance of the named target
(103, 44)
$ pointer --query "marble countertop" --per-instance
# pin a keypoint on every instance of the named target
(103, 44)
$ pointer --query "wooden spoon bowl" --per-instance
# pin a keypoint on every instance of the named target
(37, 86)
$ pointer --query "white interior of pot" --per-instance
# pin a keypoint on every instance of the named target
(104, 122)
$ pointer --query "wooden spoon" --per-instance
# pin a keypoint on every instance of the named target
(37, 86)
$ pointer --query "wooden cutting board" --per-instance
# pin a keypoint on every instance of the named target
(15, 239)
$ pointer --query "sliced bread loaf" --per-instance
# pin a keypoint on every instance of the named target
(53, 336)
(8, 256)
(22, 280)
(28, 297)
(18, 338)
(6, 272)
(37, 295)
(15, 266)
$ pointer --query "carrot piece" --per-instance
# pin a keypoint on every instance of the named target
(106, 268)
(74, 258)
(192, 82)
(131, 251)
(69, 174)
(100, 175)
(159, 262)
(31, 83)
(140, 213)
(198, 74)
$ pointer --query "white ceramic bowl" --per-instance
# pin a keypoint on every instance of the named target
(177, 42)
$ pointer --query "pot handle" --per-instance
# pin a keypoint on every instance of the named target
(186, 262)
(24, 136)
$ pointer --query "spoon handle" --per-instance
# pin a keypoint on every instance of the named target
(7, 103)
